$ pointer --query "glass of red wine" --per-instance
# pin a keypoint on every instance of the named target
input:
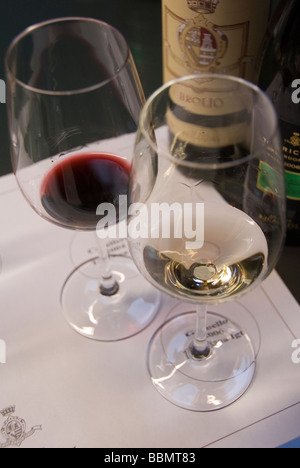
(74, 100)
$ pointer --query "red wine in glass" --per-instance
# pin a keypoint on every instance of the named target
(74, 188)
(76, 108)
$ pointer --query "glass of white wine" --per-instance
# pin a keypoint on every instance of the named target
(208, 177)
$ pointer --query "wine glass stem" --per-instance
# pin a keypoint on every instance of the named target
(199, 348)
(109, 285)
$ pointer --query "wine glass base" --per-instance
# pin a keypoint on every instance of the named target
(207, 384)
(108, 318)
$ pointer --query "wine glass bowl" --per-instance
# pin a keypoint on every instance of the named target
(74, 100)
(68, 79)
(215, 197)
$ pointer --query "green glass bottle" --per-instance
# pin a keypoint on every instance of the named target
(280, 77)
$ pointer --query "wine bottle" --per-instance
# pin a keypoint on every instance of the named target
(282, 58)
(219, 36)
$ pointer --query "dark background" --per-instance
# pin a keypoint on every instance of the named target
(140, 23)
(138, 20)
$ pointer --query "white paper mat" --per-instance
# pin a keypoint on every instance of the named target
(58, 389)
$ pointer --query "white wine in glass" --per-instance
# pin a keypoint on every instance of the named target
(208, 164)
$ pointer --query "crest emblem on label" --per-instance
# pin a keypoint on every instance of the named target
(14, 429)
(203, 44)
(294, 140)
(196, 43)
(203, 6)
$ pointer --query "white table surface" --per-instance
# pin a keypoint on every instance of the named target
(68, 391)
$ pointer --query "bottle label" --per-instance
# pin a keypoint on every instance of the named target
(291, 152)
(206, 112)
(213, 36)
(267, 178)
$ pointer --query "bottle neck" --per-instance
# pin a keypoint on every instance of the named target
(289, 52)
(279, 17)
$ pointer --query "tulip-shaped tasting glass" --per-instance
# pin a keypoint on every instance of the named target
(74, 100)
(208, 175)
